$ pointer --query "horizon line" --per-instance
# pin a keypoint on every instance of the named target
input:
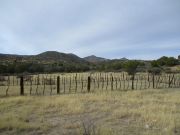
(18, 54)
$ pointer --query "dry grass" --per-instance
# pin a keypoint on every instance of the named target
(141, 112)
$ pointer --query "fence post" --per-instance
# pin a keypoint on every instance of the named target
(21, 85)
(133, 81)
(153, 82)
(170, 80)
(76, 83)
(89, 84)
(58, 89)
(112, 82)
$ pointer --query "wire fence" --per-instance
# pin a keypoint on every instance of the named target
(51, 84)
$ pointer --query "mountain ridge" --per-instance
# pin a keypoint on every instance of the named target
(51, 56)
(95, 59)
(58, 56)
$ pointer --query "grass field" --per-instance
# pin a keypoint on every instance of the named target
(139, 112)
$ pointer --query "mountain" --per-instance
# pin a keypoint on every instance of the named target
(13, 57)
(59, 57)
(53, 61)
(46, 62)
(124, 59)
(45, 57)
(49, 57)
(121, 59)
(94, 59)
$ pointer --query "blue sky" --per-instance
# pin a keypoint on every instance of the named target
(136, 29)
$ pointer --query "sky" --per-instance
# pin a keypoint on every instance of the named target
(135, 29)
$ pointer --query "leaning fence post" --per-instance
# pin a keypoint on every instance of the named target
(58, 89)
(170, 80)
(89, 84)
(21, 85)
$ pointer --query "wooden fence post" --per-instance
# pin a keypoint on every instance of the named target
(21, 85)
(133, 81)
(89, 84)
(112, 82)
(58, 88)
(169, 84)
(170, 80)
(70, 84)
(153, 82)
(64, 85)
(76, 83)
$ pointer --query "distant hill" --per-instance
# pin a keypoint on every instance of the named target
(45, 57)
(13, 57)
(121, 59)
(58, 57)
(94, 59)
(124, 59)
(53, 61)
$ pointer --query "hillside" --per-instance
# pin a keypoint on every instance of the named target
(12, 57)
(50, 61)
(45, 57)
(53, 61)
(59, 57)
(94, 59)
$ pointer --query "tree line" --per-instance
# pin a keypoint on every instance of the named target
(130, 66)
(27, 67)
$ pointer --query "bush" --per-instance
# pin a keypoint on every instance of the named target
(165, 61)
(155, 70)
(131, 67)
